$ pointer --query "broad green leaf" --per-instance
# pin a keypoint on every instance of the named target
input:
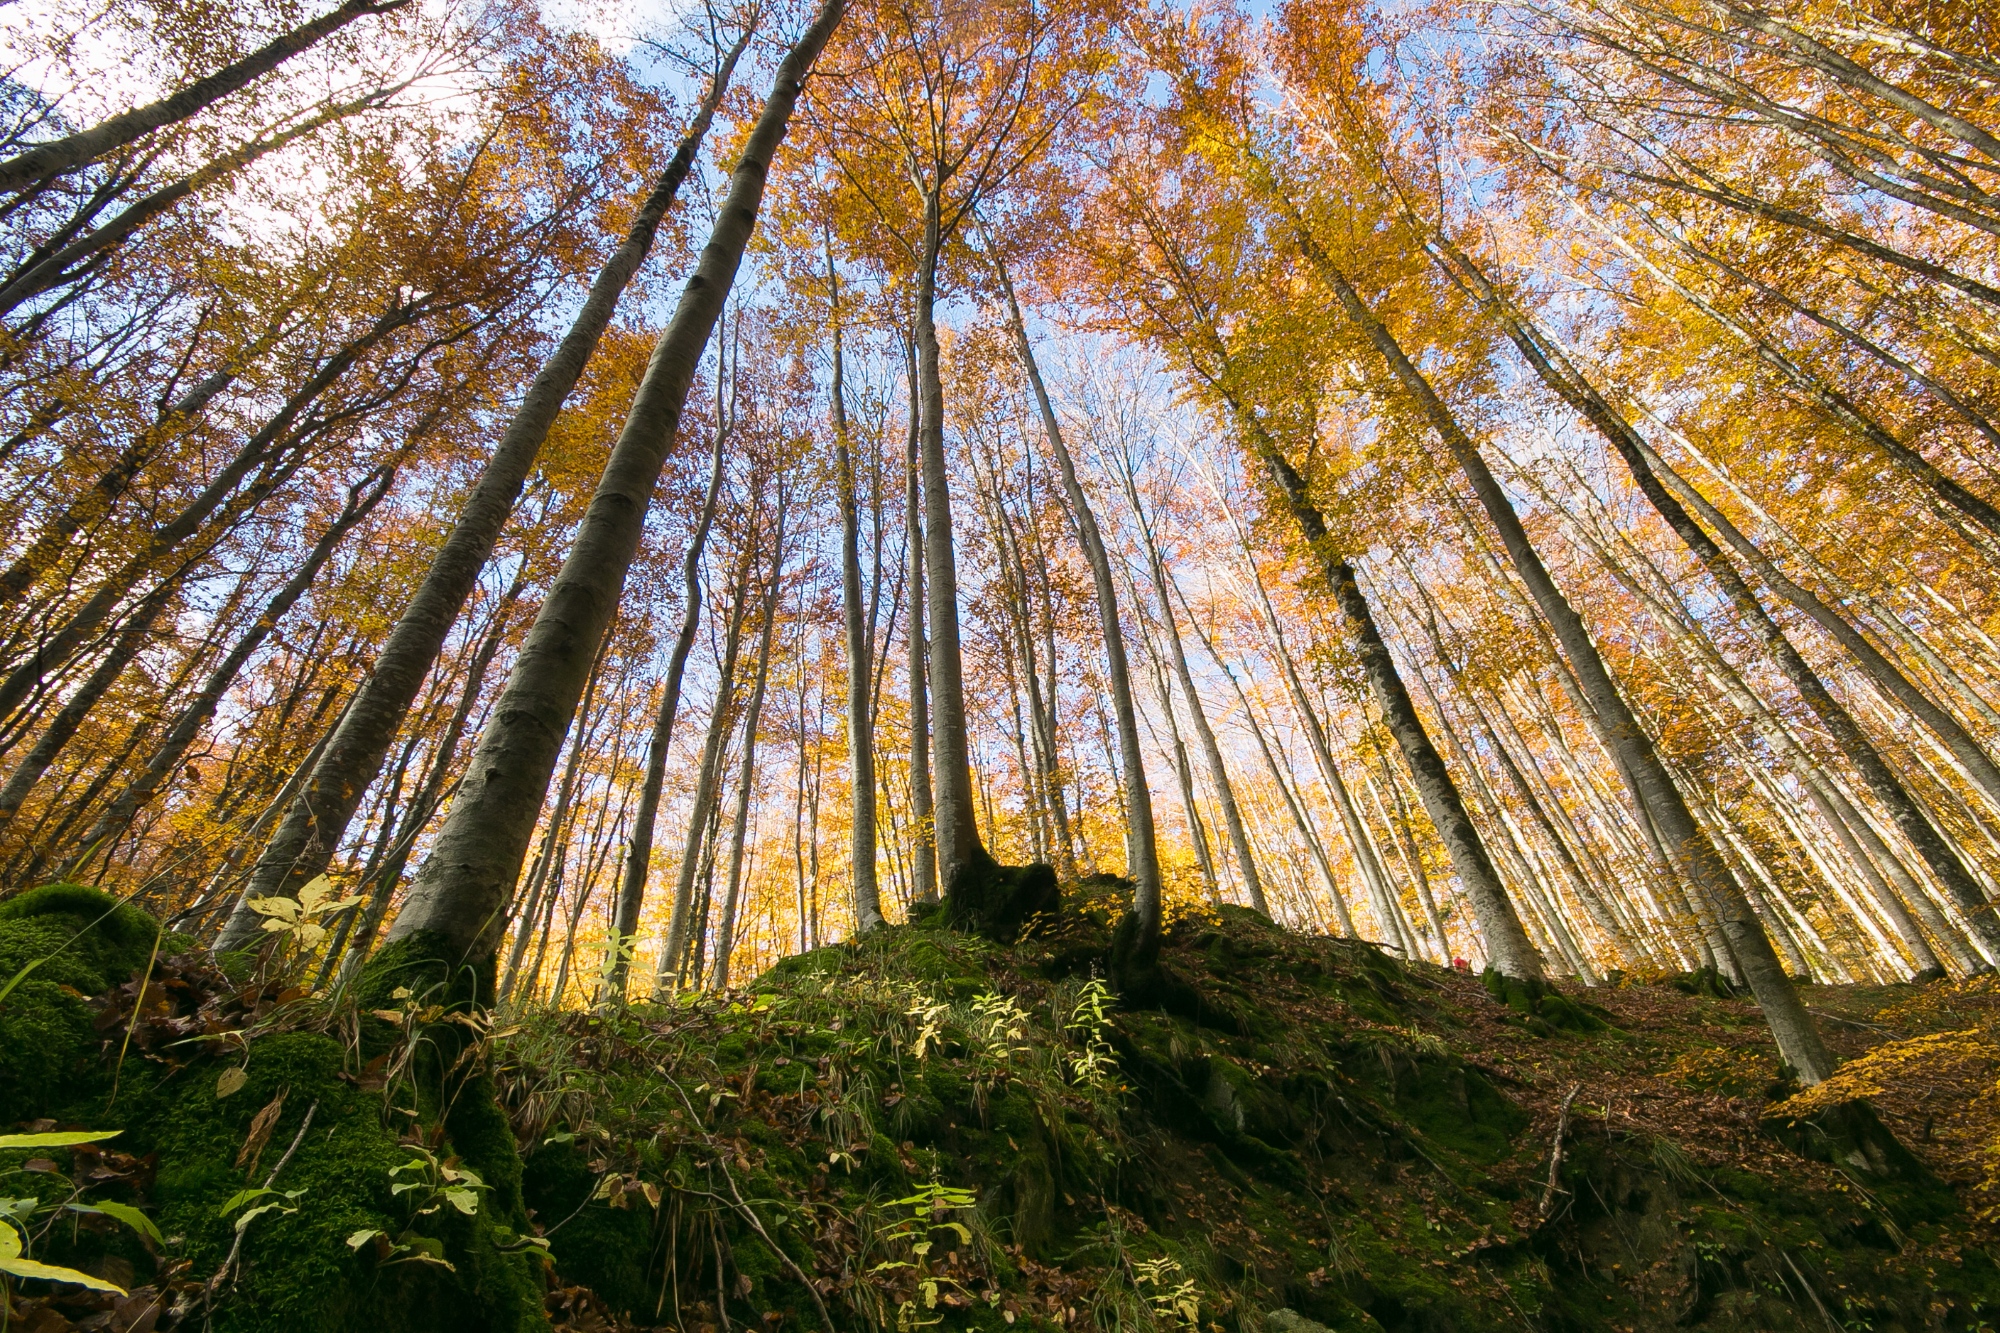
(53, 1273)
(230, 1081)
(123, 1212)
(10, 1243)
(362, 1237)
(241, 1197)
(465, 1200)
(252, 1214)
(64, 1139)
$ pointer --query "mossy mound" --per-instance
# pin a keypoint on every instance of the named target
(58, 944)
(998, 901)
(1541, 1006)
(216, 1085)
(929, 1125)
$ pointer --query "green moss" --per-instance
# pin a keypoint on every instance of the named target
(63, 942)
(1544, 1008)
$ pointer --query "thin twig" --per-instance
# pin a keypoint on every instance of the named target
(235, 1249)
(1554, 1186)
(749, 1214)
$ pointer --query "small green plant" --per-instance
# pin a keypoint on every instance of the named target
(927, 1210)
(1002, 1023)
(929, 1014)
(298, 921)
(1095, 1064)
(427, 1185)
(616, 957)
(23, 1220)
(1169, 1291)
(276, 1201)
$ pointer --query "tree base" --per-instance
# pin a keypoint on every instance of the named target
(1851, 1136)
(1544, 1007)
(1705, 981)
(987, 898)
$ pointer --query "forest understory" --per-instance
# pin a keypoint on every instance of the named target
(926, 1128)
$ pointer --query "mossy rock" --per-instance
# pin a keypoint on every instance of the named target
(1545, 1009)
(1851, 1136)
(1704, 981)
(596, 1242)
(58, 944)
(298, 1271)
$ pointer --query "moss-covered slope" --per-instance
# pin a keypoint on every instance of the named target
(1317, 1129)
(923, 1128)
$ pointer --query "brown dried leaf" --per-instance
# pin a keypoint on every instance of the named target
(260, 1133)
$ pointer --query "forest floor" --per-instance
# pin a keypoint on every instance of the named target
(927, 1129)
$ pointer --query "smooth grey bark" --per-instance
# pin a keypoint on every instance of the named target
(546, 875)
(1183, 771)
(362, 498)
(1144, 867)
(52, 543)
(1280, 774)
(639, 852)
(47, 160)
(1843, 409)
(1964, 748)
(954, 814)
(82, 256)
(708, 778)
(1835, 811)
(459, 893)
(1855, 75)
(1508, 948)
(1796, 1034)
(859, 648)
(1225, 795)
(746, 778)
(1910, 819)
(1309, 720)
(923, 812)
(1045, 780)
(317, 820)
(430, 794)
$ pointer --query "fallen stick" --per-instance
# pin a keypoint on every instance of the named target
(1554, 1186)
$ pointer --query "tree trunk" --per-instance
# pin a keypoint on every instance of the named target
(753, 711)
(1507, 945)
(860, 666)
(639, 854)
(954, 816)
(74, 150)
(1232, 815)
(272, 453)
(429, 796)
(1143, 856)
(63, 726)
(547, 872)
(1910, 818)
(361, 501)
(923, 811)
(708, 778)
(479, 850)
(1797, 1037)
(316, 822)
